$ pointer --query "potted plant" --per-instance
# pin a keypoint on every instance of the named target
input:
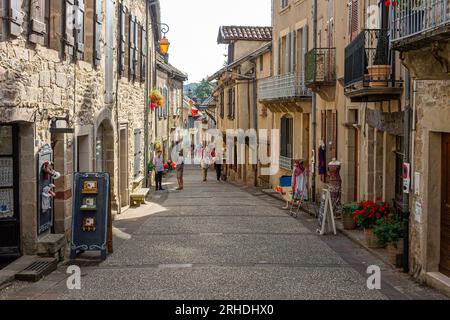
(150, 169)
(347, 215)
(367, 217)
(156, 98)
(389, 232)
(380, 70)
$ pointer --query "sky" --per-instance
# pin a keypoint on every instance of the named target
(194, 25)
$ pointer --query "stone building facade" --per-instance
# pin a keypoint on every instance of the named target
(238, 108)
(169, 82)
(59, 60)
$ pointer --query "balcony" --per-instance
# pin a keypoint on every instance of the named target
(415, 21)
(320, 72)
(284, 92)
(369, 74)
(421, 31)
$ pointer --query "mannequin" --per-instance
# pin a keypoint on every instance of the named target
(335, 183)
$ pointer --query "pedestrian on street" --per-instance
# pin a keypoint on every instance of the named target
(180, 169)
(205, 162)
(158, 162)
(218, 164)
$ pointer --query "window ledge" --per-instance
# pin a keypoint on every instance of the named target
(138, 180)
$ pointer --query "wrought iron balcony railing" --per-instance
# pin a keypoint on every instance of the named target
(320, 66)
(413, 17)
(369, 49)
(285, 86)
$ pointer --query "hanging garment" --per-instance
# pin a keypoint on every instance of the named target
(322, 161)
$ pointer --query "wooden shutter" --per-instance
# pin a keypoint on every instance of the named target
(287, 66)
(279, 55)
(323, 122)
(143, 54)
(293, 51)
(98, 20)
(304, 46)
(79, 29)
(136, 47)
(131, 45)
(15, 17)
(69, 39)
(122, 38)
(109, 52)
(230, 98)
(335, 133)
(354, 19)
(233, 103)
(37, 22)
(137, 152)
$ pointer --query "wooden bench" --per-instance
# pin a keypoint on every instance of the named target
(138, 197)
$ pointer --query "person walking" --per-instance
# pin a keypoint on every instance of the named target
(205, 163)
(158, 162)
(218, 164)
(180, 170)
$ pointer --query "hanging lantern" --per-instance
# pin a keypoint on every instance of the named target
(164, 45)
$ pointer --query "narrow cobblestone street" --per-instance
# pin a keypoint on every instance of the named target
(215, 240)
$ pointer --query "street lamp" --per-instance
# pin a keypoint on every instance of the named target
(164, 43)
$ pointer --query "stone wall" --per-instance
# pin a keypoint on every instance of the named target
(432, 114)
(36, 83)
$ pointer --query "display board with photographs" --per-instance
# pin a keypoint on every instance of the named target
(6, 172)
(90, 213)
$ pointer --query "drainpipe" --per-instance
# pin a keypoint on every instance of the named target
(146, 98)
(314, 111)
(405, 204)
(255, 119)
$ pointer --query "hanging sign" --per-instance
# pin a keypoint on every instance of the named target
(90, 220)
(326, 215)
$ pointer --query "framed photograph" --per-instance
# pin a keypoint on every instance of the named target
(90, 187)
(89, 224)
(89, 204)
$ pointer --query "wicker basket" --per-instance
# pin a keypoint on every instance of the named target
(348, 221)
(371, 239)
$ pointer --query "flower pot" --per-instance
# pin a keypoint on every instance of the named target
(348, 222)
(371, 239)
(379, 75)
(394, 250)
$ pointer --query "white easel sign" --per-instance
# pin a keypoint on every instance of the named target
(326, 215)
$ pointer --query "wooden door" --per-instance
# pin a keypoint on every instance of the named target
(356, 161)
(444, 265)
(9, 192)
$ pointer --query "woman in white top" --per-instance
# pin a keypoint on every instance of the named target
(180, 170)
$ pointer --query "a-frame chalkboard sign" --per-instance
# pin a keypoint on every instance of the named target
(90, 213)
(326, 215)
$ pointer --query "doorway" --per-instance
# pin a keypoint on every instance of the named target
(9, 191)
(124, 191)
(444, 264)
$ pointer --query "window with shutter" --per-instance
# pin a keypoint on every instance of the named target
(109, 52)
(122, 38)
(287, 49)
(233, 103)
(131, 45)
(79, 29)
(354, 22)
(15, 17)
(230, 106)
(143, 53)
(136, 48)
(137, 153)
(69, 39)
(222, 104)
(98, 20)
(37, 28)
(304, 46)
(279, 55)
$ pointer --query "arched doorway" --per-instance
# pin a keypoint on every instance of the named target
(104, 153)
